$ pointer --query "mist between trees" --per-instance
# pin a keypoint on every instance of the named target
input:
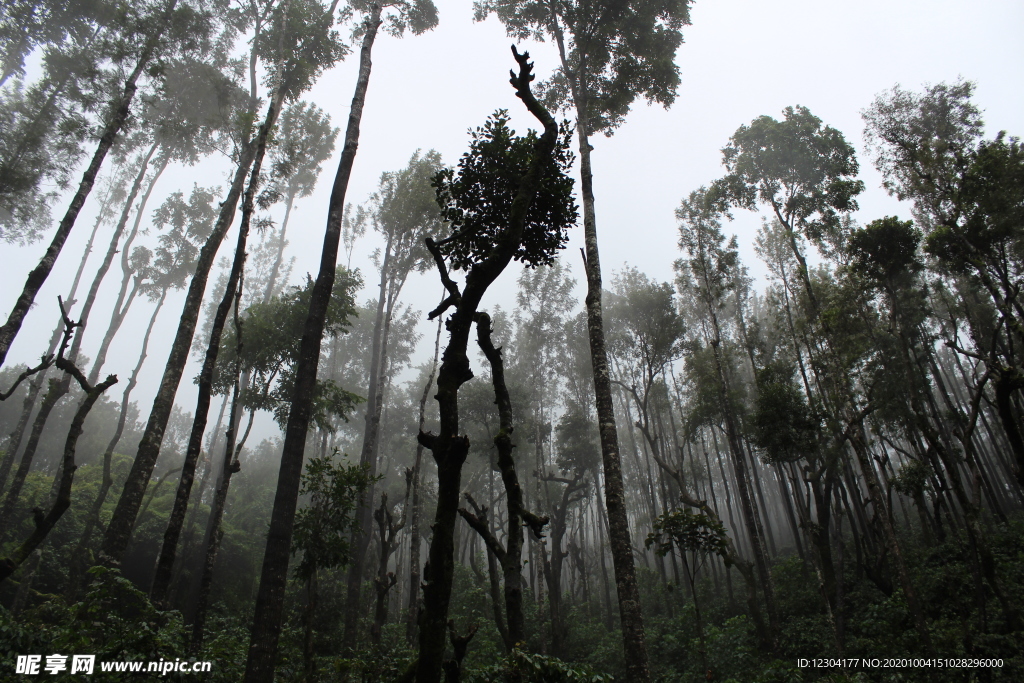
(665, 481)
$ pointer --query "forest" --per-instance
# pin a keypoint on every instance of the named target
(270, 414)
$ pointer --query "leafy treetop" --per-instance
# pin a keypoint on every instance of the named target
(688, 532)
(477, 200)
(805, 171)
(614, 52)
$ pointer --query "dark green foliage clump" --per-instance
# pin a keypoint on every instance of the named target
(885, 249)
(322, 528)
(687, 532)
(477, 201)
(784, 427)
(271, 336)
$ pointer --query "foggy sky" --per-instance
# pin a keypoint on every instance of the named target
(740, 60)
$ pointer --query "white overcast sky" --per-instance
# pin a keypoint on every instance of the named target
(740, 59)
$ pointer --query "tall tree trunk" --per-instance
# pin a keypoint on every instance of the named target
(14, 444)
(275, 271)
(118, 534)
(27, 577)
(448, 448)
(269, 609)
(189, 560)
(229, 466)
(385, 580)
(602, 520)
(1006, 384)
(889, 533)
(58, 389)
(414, 529)
(367, 458)
(168, 551)
(53, 394)
(633, 636)
(37, 382)
(308, 653)
(553, 568)
(78, 558)
(118, 116)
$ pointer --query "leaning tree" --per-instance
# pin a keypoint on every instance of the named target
(418, 16)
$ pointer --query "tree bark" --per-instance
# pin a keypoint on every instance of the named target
(414, 529)
(1005, 384)
(553, 568)
(509, 555)
(118, 534)
(59, 388)
(367, 458)
(633, 635)
(269, 609)
(121, 308)
(275, 271)
(37, 382)
(229, 466)
(308, 652)
(168, 551)
(385, 580)
(889, 532)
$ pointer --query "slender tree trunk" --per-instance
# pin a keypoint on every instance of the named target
(118, 116)
(168, 551)
(494, 584)
(1005, 385)
(275, 271)
(78, 558)
(62, 501)
(414, 528)
(367, 458)
(269, 609)
(189, 558)
(764, 512)
(37, 382)
(308, 653)
(889, 532)
(50, 399)
(385, 580)
(787, 502)
(121, 308)
(14, 444)
(558, 528)
(118, 533)
(60, 388)
(28, 575)
(633, 636)
(229, 466)
(602, 520)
